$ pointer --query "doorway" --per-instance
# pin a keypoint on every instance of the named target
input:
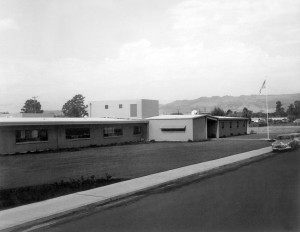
(212, 128)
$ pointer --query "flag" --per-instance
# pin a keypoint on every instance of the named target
(262, 87)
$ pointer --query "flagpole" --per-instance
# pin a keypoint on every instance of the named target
(267, 112)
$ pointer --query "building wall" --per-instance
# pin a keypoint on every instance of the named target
(234, 130)
(8, 143)
(97, 109)
(155, 132)
(57, 138)
(144, 108)
(199, 129)
(150, 108)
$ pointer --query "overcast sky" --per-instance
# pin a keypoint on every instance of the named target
(156, 49)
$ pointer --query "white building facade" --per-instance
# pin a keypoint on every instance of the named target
(178, 128)
(133, 109)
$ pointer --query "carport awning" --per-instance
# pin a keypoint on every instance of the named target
(173, 128)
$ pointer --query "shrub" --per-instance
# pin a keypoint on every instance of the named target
(25, 195)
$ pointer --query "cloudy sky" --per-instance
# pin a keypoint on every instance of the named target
(157, 49)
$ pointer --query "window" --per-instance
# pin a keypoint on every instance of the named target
(244, 123)
(106, 107)
(237, 124)
(173, 128)
(230, 124)
(120, 106)
(137, 130)
(23, 136)
(112, 132)
(222, 125)
(77, 133)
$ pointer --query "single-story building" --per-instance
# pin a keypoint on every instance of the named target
(36, 134)
(231, 126)
(178, 127)
(194, 127)
(18, 135)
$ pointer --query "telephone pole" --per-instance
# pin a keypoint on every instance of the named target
(34, 98)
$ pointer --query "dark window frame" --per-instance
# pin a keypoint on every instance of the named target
(174, 129)
(76, 133)
(112, 132)
(137, 130)
(31, 136)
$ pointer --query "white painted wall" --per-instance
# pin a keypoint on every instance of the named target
(200, 128)
(155, 132)
(145, 108)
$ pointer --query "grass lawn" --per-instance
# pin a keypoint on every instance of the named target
(128, 161)
(274, 130)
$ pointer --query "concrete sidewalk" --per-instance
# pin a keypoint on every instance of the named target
(37, 213)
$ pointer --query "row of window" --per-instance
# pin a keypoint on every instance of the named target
(237, 124)
(23, 136)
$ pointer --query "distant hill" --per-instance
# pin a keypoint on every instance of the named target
(256, 103)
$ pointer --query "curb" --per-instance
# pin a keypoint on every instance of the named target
(93, 198)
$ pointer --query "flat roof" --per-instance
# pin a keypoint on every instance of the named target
(66, 121)
(125, 100)
(230, 118)
(176, 117)
(189, 116)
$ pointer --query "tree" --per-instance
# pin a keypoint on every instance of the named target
(75, 107)
(279, 109)
(32, 106)
(247, 113)
(229, 112)
(217, 111)
(293, 111)
(297, 109)
(290, 110)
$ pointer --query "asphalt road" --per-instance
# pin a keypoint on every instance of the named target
(263, 196)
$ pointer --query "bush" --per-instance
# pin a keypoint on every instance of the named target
(25, 195)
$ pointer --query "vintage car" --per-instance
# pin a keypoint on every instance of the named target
(285, 142)
(296, 137)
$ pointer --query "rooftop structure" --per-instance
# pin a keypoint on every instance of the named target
(138, 108)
